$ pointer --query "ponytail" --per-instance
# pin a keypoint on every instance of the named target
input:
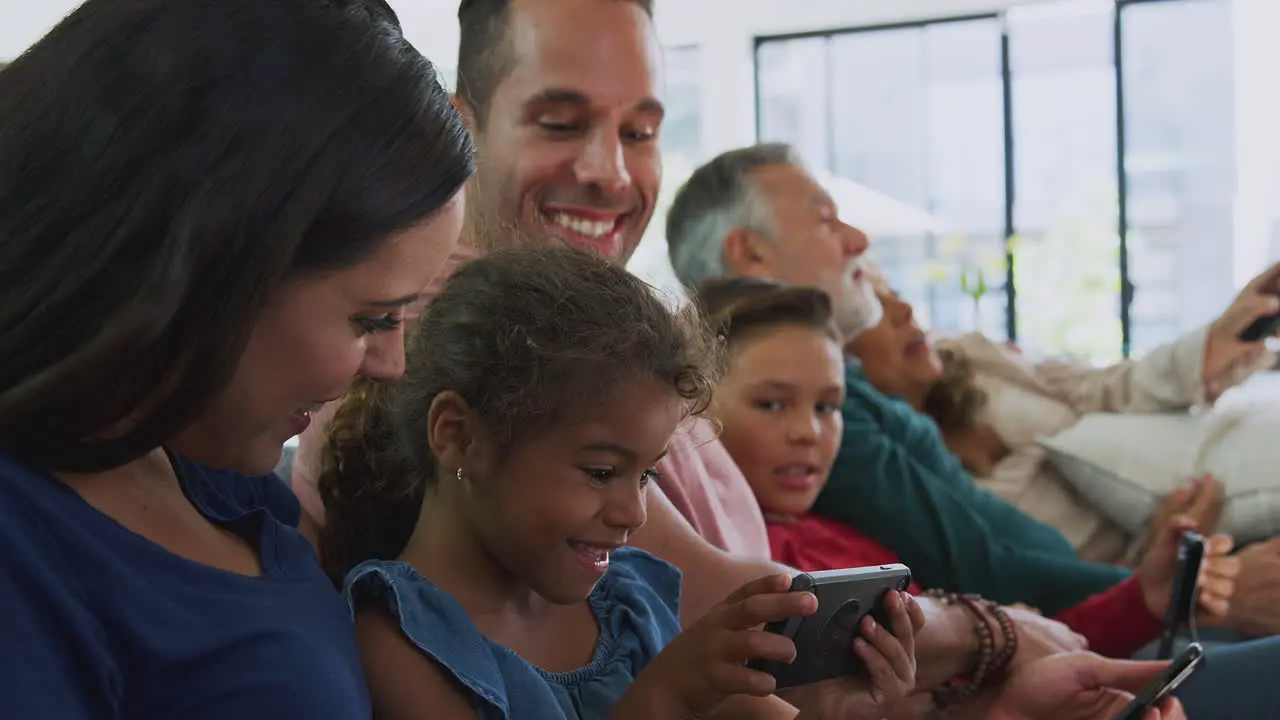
(371, 489)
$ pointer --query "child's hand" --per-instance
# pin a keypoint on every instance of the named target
(889, 655)
(707, 663)
(1218, 570)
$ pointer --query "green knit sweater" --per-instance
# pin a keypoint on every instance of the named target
(896, 480)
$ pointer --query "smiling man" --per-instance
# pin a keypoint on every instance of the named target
(562, 97)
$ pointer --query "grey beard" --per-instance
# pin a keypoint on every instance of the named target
(859, 312)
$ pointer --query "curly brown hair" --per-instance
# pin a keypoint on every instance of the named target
(955, 400)
(522, 335)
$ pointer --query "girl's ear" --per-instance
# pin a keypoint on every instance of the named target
(451, 430)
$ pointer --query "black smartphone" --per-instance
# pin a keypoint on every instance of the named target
(1186, 580)
(1173, 676)
(824, 640)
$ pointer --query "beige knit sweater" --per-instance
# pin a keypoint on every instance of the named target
(1029, 400)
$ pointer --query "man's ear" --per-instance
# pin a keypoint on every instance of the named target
(747, 254)
(464, 109)
(451, 430)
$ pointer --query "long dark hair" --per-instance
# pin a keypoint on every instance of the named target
(164, 166)
(523, 336)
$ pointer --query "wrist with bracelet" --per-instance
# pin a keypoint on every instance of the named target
(994, 656)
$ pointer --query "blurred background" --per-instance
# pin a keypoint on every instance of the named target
(1089, 178)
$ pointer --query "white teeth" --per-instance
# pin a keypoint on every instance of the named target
(596, 553)
(590, 228)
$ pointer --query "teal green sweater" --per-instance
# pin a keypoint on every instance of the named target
(896, 480)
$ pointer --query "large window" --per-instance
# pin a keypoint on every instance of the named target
(1066, 215)
(918, 136)
(992, 147)
(1179, 122)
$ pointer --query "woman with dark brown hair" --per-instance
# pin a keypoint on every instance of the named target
(212, 213)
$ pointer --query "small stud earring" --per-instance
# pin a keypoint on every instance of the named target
(459, 474)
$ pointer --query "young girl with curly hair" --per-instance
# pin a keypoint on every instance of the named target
(479, 510)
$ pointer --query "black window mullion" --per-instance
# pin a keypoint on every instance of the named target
(1127, 288)
(1010, 230)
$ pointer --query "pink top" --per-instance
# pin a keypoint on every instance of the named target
(706, 486)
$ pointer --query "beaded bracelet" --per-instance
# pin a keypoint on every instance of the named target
(1000, 664)
(991, 664)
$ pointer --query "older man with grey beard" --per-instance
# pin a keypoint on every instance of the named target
(759, 212)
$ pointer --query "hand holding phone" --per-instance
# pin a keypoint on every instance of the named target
(1266, 285)
(1178, 671)
(1182, 599)
(703, 665)
(824, 640)
(1261, 329)
(1085, 686)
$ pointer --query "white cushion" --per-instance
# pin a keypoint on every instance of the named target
(1125, 464)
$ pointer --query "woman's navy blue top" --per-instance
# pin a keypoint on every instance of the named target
(98, 622)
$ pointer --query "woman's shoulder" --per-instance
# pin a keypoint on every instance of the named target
(42, 524)
(46, 524)
(21, 487)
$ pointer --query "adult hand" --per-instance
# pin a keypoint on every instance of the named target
(1223, 349)
(705, 664)
(1078, 686)
(1255, 607)
(890, 658)
(1040, 637)
(1218, 570)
